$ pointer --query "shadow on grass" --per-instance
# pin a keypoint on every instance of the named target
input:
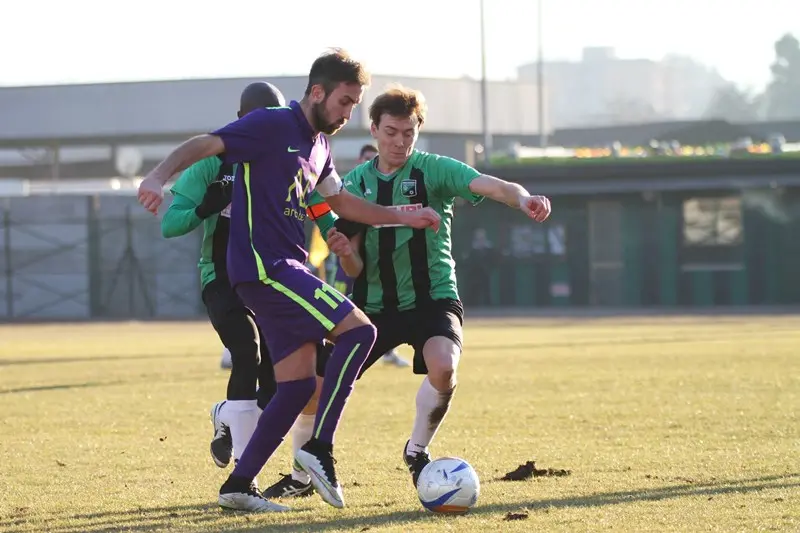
(208, 517)
(91, 384)
(109, 359)
(66, 386)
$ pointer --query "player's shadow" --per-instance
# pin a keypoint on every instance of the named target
(92, 384)
(208, 517)
(65, 386)
(62, 360)
(140, 519)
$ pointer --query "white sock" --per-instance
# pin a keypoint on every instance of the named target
(301, 433)
(241, 416)
(428, 400)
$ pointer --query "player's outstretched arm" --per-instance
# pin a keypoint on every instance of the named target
(346, 249)
(180, 218)
(241, 140)
(151, 192)
(353, 208)
(196, 196)
(513, 195)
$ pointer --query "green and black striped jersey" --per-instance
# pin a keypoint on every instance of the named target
(404, 267)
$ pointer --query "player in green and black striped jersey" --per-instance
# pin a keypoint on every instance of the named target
(405, 278)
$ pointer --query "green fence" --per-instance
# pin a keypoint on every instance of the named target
(77, 258)
(99, 257)
(661, 249)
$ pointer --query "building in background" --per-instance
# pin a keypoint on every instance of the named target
(70, 132)
(602, 89)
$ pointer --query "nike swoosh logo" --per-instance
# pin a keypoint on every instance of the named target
(290, 149)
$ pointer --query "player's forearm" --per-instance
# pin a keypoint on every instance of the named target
(355, 209)
(352, 265)
(179, 220)
(187, 154)
(499, 190)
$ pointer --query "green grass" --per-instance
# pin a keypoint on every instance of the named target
(672, 424)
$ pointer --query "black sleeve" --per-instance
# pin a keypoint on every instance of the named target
(348, 228)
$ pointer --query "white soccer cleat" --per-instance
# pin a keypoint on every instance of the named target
(316, 460)
(393, 358)
(251, 501)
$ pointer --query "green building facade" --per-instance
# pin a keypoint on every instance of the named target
(688, 234)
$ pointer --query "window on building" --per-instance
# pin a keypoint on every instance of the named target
(712, 233)
(528, 240)
(712, 221)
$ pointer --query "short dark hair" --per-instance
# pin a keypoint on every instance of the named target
(367, 148)
(398, 101)
(335, 67)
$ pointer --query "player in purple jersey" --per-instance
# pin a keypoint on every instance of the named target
(283, 158)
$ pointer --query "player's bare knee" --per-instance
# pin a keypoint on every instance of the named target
(442, 380)
(300, 364)
(441, 357)
(355, 319)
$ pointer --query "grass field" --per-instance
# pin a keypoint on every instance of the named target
(667, 424)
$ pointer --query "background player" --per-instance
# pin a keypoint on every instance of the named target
(202, 196)
(405, 279)
(284, 158)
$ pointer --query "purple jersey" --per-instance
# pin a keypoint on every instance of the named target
(282, 162)
(341, 281)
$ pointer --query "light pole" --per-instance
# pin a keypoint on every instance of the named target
(487, 136)
(540, 78)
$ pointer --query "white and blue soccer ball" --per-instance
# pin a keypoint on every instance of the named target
(448, 485)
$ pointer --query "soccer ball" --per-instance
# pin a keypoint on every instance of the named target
(448, 485)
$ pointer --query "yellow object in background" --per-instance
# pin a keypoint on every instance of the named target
(317, 250)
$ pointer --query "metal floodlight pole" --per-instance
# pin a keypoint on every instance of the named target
(540, 77)
(487, 136)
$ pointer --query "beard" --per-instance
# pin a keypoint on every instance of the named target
(321, 122)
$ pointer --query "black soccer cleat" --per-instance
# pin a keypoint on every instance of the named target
(415, 463)
(221, 442)
(288, 487)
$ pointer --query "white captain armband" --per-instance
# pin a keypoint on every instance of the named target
(330, 185)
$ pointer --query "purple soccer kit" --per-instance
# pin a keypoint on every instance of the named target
(282, 162)
(341, 281)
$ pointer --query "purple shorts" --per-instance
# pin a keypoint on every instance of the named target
(293, 307)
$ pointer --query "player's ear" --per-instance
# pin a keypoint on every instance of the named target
(373, 129)
(317, 93)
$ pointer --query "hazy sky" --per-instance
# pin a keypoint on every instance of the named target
(77, 41)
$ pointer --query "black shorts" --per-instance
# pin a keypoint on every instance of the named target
(440, 318)
(226, 311)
